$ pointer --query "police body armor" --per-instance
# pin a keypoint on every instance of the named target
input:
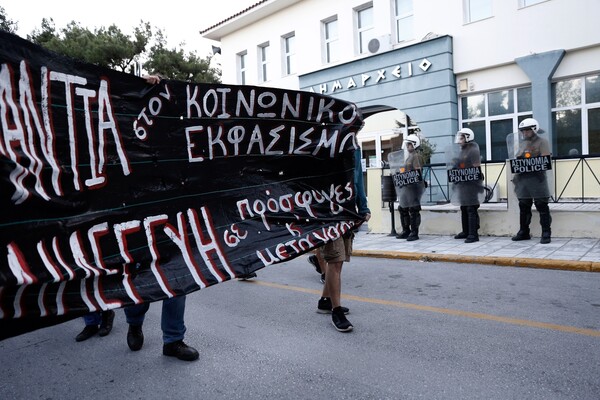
(407, 174)
(528, 166)
(464, 174)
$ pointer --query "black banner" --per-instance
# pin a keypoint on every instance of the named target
(115, 192)
(532, 164)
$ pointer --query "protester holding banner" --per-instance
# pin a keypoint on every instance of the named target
(466, 180)
(532, 160)
(96, 322)
(172, 322)
(117, 193)
(407, 173)
(172, 326)
(336, 252)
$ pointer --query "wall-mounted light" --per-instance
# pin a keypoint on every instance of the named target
(463, 85)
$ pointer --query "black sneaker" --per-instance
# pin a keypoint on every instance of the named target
(86, 333)
(315, 262)
(338, 319)
(323, 278)
(107, 322)
(324, 306)
(180, 350)
(135, 337)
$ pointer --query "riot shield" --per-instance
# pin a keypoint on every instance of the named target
(408, 179)
(465, 178)
(530, 161)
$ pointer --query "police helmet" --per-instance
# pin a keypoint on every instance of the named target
(467, 133)
(529, 123)
(414, 139)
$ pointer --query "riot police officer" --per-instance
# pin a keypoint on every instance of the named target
(407, 169)
(466, 180)
(531, 185)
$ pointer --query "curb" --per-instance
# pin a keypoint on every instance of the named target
(565, 265)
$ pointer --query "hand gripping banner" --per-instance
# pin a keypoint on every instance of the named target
(115, 192)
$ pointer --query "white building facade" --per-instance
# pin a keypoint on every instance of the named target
(482, 64)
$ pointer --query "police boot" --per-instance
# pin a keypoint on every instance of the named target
(464, 219)
(545, 222)
(473, 224)
(405, 222)
(524, 221)
(415, 221)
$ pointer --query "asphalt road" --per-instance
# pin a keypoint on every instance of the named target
(422, 331)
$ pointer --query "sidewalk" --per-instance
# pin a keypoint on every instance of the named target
(563, 253)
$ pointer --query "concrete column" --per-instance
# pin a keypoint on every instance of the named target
(540, 68)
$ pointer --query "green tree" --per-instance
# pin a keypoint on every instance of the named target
(7, 24)
(45, 34)
(110, 47)
(427, 148)
(173, 63)
(106, 47)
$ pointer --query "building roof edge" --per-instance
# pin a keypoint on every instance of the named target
(239, 13)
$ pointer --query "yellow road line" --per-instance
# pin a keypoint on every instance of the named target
(447, 311)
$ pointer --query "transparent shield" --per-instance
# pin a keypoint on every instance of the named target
(408, 179)
(512, 144)
(530, 164)
(519, 145)
(396, 161)
(465, 179)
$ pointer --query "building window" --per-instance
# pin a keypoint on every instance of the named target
(593, 120)
(289, 54)
(475, 10)
(330, 40)
(527, 3)
(404, 20)
(263, 62)
(365, 27)
(492, 116)
(241, 61)
(576, 116)
(500, 102)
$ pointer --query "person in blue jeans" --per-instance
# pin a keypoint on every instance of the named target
(173, 309)
(172, 325)
(100, 322)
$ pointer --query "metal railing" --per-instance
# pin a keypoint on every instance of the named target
(589, 183)
(573, 180)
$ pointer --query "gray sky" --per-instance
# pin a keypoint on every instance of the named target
(180, 20)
